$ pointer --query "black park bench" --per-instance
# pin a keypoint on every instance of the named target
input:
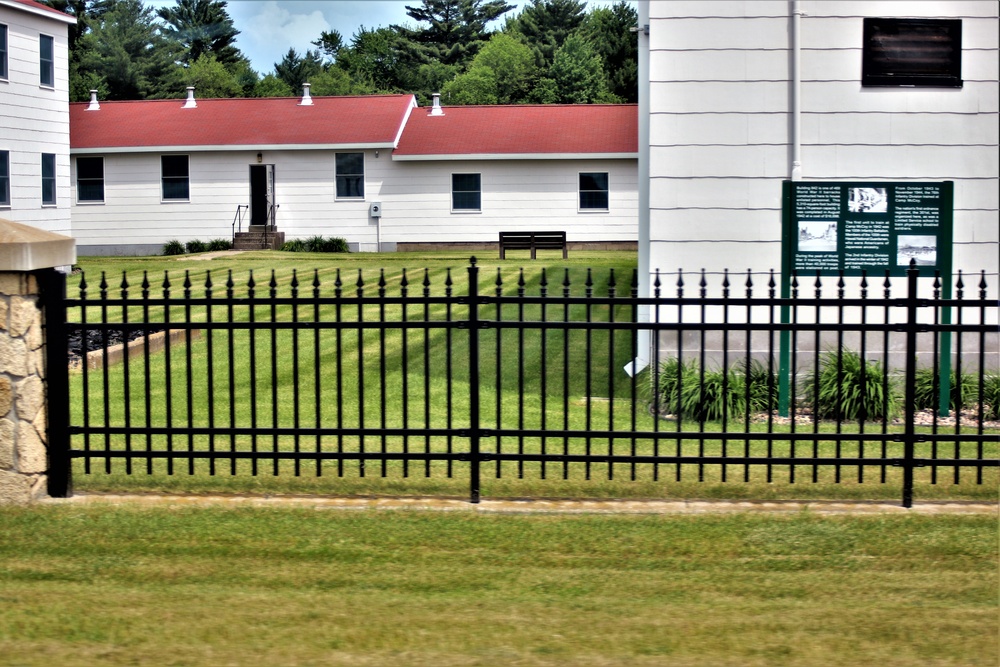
(532, 241)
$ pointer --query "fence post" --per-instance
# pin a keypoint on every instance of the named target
(31, 382)
(473, 381)
(909, 430)
(52, 285)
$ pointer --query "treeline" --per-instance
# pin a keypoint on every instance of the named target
(553, 51)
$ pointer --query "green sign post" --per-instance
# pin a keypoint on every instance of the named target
(866, 226)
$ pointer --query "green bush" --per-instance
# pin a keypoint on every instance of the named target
(295, 245)
(927, 390)
(991, 396)
(854, 391)
(216, 245)
(173, 247)
(316, 244)
(707, 396)
(195, 246)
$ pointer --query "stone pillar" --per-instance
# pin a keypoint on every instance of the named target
(23, 407)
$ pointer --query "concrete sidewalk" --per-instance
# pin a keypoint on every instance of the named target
(543, 506)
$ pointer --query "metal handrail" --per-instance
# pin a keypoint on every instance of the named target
(238, 219)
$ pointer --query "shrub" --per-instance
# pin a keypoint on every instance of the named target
(706, 397)
(854, 391)
(216, 245)
(316, 244)
(173, 247)
(195, 246)
(991, 396)
(927, 390)
(295, 245)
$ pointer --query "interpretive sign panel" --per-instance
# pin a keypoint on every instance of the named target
(866, 226)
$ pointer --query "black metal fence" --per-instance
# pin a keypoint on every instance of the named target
(520, 375)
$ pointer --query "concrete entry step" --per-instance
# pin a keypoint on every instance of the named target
(258, 240)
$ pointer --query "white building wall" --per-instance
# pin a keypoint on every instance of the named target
(34, 119)
(415, 198)
(720, 125)
(522, 195)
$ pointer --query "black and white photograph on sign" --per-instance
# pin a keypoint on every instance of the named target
(868, 200)
(921, 248)
(817, 236)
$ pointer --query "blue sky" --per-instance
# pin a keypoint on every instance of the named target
(269, 27)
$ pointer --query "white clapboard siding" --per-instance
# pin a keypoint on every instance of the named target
(415, 198)
(35, 120)
(720, 124)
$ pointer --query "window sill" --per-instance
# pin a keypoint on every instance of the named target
(175, 201)
(93, 202)
(593, 210)
(349, 199)
(466, 211)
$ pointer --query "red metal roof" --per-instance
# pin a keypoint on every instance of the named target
(549, 129)
(330, 121)
(37, 6)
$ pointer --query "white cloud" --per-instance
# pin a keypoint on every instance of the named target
(271, 28)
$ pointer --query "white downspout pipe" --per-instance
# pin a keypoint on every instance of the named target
(643, 342)
(796, 94)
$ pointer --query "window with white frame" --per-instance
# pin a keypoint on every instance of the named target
(48, 179)
(350, 175)
(3, 51)
(594, 191)
(466, 192)
(4, 178)
(46, 61)
(176, 183)
(90, 179)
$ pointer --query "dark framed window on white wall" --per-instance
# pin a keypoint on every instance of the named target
(46, 61)
(175, 177)
(90, 179)
(912, 52)
(4, 178)
(3, 51)
(48, 179)
(466, 192)
(594, 191)
(350, 175)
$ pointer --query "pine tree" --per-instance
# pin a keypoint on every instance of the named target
(544, 25)
(456, 29)
(202, 27)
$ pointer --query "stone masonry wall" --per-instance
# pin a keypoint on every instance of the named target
(23, 455)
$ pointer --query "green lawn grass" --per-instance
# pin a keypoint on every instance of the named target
(533, 380)
(94, 585)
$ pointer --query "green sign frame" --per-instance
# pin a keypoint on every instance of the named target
(866, 226)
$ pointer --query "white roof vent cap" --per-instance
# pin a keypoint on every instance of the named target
(307, 99)
(94, 104)
(436, 110)
(189, 103)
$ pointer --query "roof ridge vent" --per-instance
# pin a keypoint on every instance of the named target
(190, 103)
(436, 110)
(94, 104)
(307, 100)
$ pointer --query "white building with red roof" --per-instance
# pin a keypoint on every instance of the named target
(34, 123)
(375, 170)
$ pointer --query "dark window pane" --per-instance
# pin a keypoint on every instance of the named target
(174, 166)
(594, 200)
(594, 181)
(350, 174)
(4, 177)
(465, 182)
(3, 52)
(46, 61)
(175, 189)
(48, 178)
(466, 201)
(90, 190)
(89, 167)
(350, 186)
(350, 163)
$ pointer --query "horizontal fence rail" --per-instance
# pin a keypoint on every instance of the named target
(522, 375)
